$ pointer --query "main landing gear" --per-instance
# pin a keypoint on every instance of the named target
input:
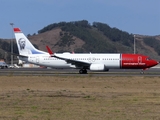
(83, 71)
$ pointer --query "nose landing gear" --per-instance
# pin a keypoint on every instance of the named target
(142, 72)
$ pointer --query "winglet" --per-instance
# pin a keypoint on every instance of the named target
(49, 50)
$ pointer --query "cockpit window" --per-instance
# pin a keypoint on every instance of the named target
(148, 58)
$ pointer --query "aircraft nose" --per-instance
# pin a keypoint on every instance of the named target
(155, 62)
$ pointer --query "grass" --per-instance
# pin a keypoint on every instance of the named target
(79, 98)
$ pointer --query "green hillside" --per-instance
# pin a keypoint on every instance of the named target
(98, 37)
(101, 38)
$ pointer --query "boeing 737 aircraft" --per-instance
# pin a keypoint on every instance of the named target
(83, 61)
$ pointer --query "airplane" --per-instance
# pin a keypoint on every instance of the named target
(81, 61)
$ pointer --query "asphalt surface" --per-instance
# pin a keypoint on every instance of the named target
(75, 72)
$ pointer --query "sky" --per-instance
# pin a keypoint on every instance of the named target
(133, 16)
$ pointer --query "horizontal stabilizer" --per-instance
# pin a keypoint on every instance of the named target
(15, 54)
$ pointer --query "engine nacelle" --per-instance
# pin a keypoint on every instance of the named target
(98, 67)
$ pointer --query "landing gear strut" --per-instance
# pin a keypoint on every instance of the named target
(83, 71)
(142, 72)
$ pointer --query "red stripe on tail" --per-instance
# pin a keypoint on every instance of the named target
(17, 30)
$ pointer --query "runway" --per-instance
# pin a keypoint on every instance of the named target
(75, 72)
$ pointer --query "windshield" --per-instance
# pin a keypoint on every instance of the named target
(148, 58)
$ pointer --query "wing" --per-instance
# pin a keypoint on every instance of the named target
(78, 64)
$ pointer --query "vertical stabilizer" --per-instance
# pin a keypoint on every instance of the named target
(25, 47)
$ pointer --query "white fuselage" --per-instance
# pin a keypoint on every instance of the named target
(109, 60)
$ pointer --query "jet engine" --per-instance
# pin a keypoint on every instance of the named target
(98, 67)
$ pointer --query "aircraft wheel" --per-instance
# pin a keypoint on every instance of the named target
(80, 71)
(83, 71)
(142, 72)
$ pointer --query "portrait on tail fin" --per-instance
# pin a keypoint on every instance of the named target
(22, 46)
(22, 43)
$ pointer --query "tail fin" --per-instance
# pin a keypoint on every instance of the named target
(25, 47)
